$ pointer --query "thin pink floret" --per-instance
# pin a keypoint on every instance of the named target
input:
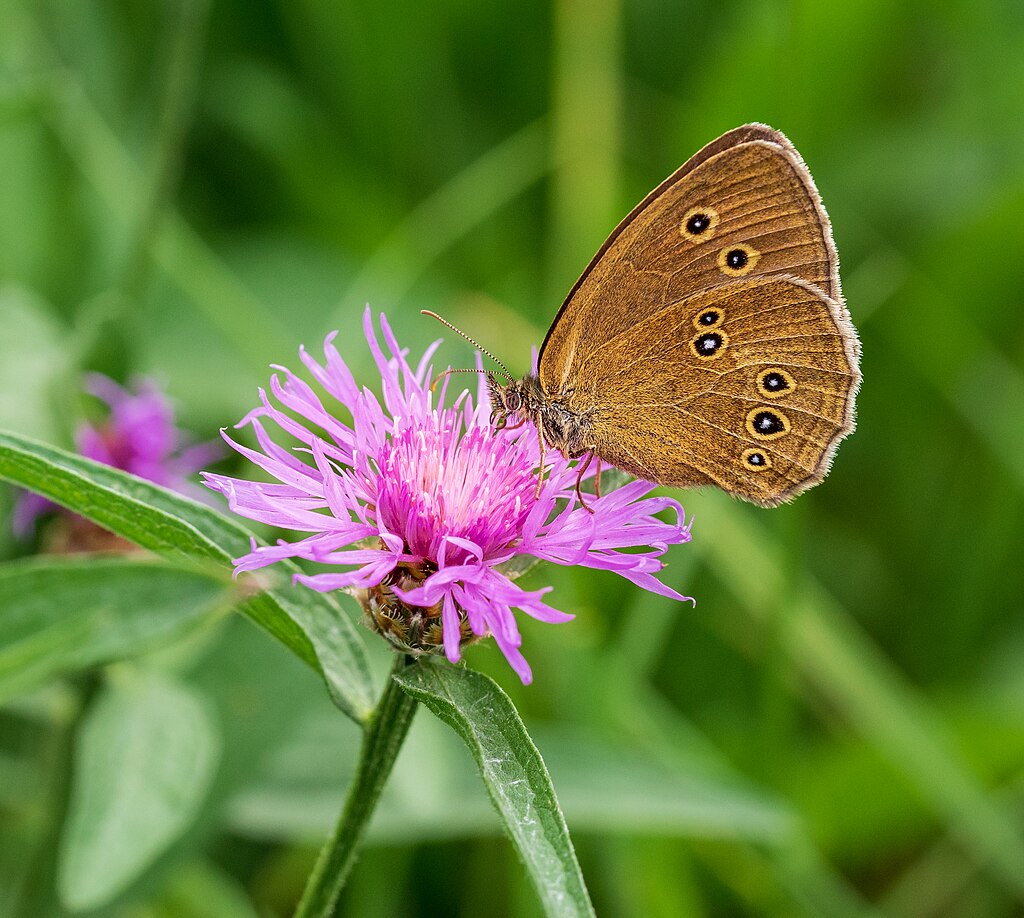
(401, 482)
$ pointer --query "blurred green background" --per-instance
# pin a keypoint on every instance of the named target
(191, 189)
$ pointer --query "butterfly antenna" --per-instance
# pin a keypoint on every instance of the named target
(448, 373)
(482, 350)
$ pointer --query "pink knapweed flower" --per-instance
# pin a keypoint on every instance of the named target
(139, 436)
(420, 507)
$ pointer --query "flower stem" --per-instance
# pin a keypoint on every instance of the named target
(385, 732)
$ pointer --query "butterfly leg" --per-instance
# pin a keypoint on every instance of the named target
(540, 474)
(579, 477)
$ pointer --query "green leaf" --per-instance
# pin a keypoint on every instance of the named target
(66, 614)
(144, 761)
(310, 624)
(514, 774)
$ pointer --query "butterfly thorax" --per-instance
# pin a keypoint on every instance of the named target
(562, 428)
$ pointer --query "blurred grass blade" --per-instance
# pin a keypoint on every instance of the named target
(183, 44)
(605, 786)
(144, 761)
(514, 774)
(203, 890)
(446, 216)
(586, 132)
(816, 884)
(842, 663)
(66, 614)
(33, 795)
(612, 787)
(668, 739)
(32, 361)
(243, 319)
(310, 624)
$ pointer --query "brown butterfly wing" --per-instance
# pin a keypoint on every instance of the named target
(758, 198)
(758, 412)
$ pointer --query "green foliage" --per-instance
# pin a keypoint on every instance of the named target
(514, 774)
(32, 362)
(65, 615)
(144, 761)
(603, 786)
(192, 189)
(311, 625)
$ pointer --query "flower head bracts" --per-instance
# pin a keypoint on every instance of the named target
(416, 506)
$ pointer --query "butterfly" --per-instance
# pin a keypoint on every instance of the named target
(707, 342)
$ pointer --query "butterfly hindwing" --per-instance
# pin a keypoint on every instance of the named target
(748, 386)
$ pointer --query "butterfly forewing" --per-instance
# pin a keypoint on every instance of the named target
(707, 342)
(744, 206)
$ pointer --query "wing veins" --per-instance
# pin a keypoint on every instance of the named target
(802, 366)
(701, 420)
(811, 414)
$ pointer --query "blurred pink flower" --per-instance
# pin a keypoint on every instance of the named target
(419, 507)
(139, 437)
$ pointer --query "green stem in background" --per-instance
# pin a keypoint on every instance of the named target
(586, 133)
(184, 34)
(245, 322)
(113, 330)
(465, 201)
(385, 733)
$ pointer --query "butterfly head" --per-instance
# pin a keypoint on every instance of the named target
(508, 399)
(520, 400)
